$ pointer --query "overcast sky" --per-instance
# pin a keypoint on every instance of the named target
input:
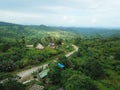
(81, 13)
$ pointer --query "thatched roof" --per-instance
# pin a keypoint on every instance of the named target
(39, 46)
(37, 87)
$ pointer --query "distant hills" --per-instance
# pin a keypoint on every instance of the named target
(105, 32)
(11, 31)
(6, 24)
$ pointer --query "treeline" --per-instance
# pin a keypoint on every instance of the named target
(96, 66)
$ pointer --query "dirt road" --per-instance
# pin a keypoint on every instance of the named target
(70, 53)
(25, 73)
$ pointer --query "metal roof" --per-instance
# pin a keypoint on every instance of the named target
(43, 73)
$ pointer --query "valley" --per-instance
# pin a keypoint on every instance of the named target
(50, 57)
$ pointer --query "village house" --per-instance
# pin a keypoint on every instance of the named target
(39, 46)
(29, 46)
(51, 45)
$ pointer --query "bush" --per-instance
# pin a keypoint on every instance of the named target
(13, 85)
(94, 69)
(80, 82)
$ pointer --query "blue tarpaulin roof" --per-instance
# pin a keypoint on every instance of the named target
(61, 65)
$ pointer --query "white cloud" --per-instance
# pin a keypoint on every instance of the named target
(62, 12)
(16, 14)
(93, 21)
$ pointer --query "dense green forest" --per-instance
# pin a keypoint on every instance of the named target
(95, 66)
(10, 31)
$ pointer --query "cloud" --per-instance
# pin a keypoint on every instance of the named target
(62, 12)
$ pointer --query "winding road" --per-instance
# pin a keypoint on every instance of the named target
(26, 73)
(70, 53)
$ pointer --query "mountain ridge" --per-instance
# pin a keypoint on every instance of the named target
(11, 30)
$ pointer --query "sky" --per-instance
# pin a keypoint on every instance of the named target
(80, 13)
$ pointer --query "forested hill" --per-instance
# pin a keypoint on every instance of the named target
(104, 32)
(6, 24)
(11, 31)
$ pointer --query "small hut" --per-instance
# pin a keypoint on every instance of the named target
(39, 46)
(52, 45)
(29, 46)
(44, 73)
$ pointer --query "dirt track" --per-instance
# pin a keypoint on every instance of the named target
(25, 73)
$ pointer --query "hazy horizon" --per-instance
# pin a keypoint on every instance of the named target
(69, 13)
(84, 27)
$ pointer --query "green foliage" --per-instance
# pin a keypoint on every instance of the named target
(1, 87)
(94, 69)
(6, 75)
(79, 82)
(67, 73)
(97, 61)
(15, 55)
(12, 85)
(54, 74)
(53, 88)
(64, 60)
(11, 31)
(41, 56)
